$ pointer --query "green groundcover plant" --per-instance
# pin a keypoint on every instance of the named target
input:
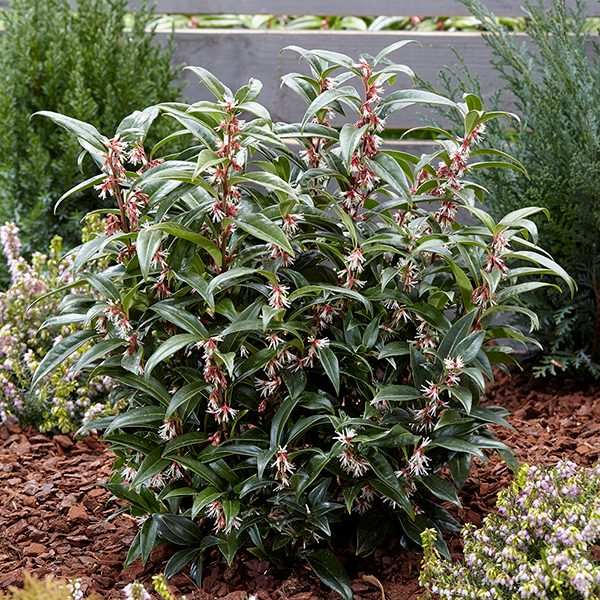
(299, 341)
(82, 64)
(66, 400)
(538, 545)
(554, 81)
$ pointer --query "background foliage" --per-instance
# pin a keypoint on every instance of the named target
(555, 83)
(82, 64)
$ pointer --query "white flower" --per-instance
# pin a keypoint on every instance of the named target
(346, 436)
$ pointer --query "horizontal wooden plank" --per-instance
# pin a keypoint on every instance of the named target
(443, 8)
(342, 7)
(237, 55)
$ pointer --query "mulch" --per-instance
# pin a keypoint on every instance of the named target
(53, 520)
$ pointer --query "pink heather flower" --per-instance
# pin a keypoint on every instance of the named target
(355, 261)
(168, 430)
(278, 298)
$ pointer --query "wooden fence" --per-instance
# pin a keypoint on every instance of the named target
(235, 55)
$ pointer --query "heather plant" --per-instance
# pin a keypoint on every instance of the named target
(540, 543)
(82, 64)
(64, 401)
(299, 341)
(556, 73)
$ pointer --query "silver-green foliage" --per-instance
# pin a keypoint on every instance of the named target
(299, 340)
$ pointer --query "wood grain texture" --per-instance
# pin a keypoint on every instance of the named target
(342, 7)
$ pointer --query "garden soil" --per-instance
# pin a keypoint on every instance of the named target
(53, 520)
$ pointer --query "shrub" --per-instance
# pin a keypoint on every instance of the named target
(301, 339)
(64, 401)
(556, 89)
(82, 64)
(538, 545)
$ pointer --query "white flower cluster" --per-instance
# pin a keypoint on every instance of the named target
(538, 545)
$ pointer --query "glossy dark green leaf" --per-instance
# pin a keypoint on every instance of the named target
(330, 364)
(372, 530)
(59, 353)
(179, 560)
(330, 571)
(178, 530)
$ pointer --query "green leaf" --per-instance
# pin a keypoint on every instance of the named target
(97, 351)
(181, 231)
(552, 266)
(330, 571)
(322, 101)
(180, 317)
(267, 180)
(397, 393)
(138, 417)
(350, 138)
(204, 498)
(83, 131)
(147, 539)
(280, 422)
(388, 170)
(179, 560)
(211, 82)
(151, 466)
(392, 48)
(441, 488)
(147, 244)
(330, 364)
(59, 353)
(169, 347)
(184, 395)
(178, 530)
(259, 226)
(372, 531)
(458, 445)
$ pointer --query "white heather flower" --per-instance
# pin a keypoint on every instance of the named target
(136, 591)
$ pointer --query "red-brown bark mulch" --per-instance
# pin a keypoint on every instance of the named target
(53, 519)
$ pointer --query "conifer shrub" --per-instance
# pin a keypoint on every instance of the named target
(554, 81)
(81, 64)
(299, 341)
